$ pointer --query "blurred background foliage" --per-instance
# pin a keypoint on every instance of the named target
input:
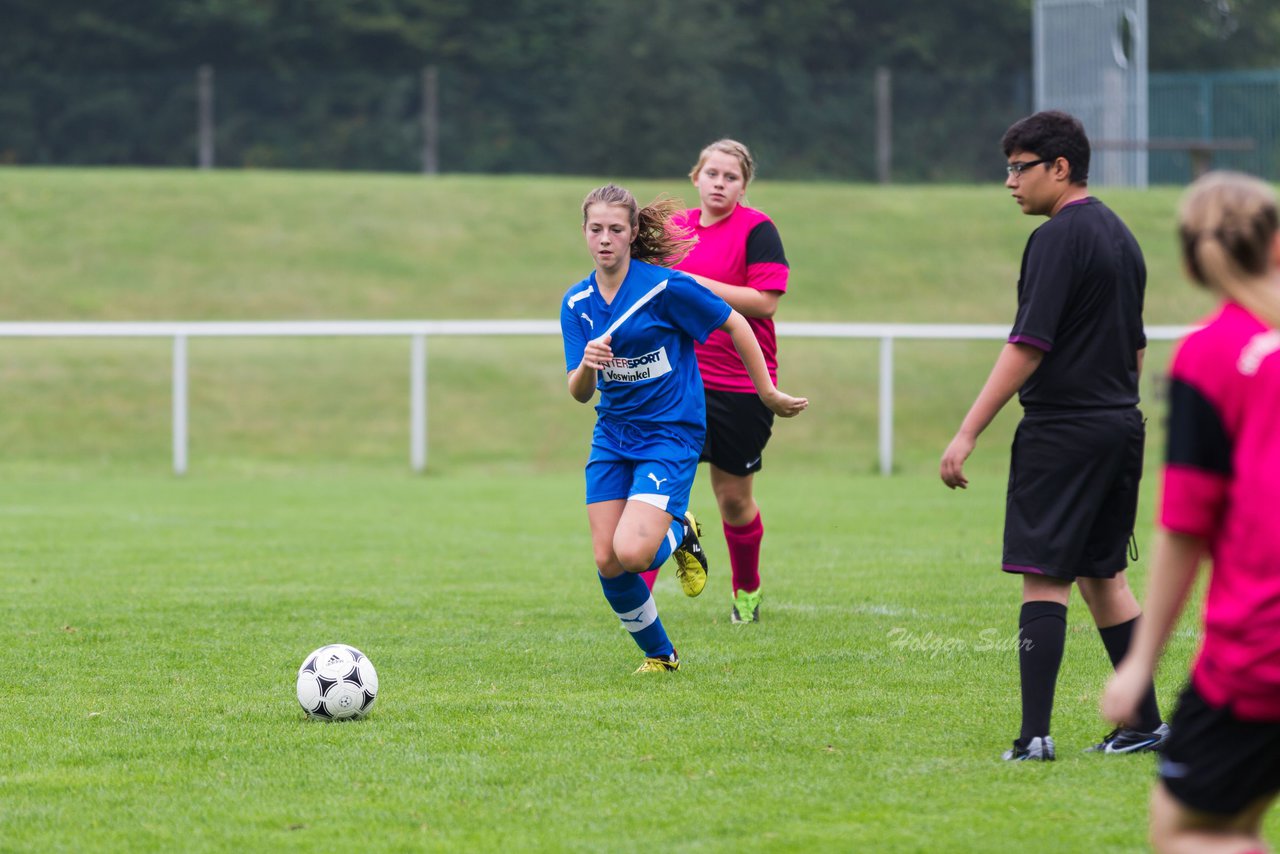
(550, 86)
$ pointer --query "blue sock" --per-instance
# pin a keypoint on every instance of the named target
(671, 542)
(630, 599)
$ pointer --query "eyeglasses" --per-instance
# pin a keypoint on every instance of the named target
(1018, 168)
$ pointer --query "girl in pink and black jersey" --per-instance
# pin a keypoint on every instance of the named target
(1220, 770)
(738, 256)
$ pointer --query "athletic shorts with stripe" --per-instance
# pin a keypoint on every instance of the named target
(649, 464)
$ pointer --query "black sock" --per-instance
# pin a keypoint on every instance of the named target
(1116, 639)
(1042, 634)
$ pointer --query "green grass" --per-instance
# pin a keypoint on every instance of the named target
(129, 244)
(493, 405)
(156, 623)
(155, 626)
(181, 245)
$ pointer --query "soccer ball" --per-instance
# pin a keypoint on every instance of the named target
(337, 682)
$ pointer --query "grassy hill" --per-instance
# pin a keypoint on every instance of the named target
(170, 245)
(150, 245)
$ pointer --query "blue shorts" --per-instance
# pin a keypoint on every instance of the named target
(655, 465)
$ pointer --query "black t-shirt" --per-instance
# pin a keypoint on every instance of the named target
(1080, 300)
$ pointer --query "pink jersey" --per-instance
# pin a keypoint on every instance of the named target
(742, 249)
(1222, 482)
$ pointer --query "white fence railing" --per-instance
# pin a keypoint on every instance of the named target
(418, 331)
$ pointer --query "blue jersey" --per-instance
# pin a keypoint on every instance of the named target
(653, 377)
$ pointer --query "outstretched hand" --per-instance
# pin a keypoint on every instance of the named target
(786, 406)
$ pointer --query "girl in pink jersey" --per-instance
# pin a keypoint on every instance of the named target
(1220, 771)
(739, 257)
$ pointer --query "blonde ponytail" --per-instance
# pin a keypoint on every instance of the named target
(1228, 224)
(659, 241)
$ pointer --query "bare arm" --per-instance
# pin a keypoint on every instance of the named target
(1173, 571)
(582, 379)
(1014, 366)
(748, 302)
(744, 340)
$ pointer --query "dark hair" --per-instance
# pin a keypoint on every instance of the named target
(657, 241)
(1051, 134)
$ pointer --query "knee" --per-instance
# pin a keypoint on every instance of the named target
(1044, 588)
(734, 496)
(607, 563)
(737, 506)
(1109, 595)
(734, 506)
(632, 556)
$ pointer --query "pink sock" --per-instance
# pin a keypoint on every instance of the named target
(650, 576)
(744, 553)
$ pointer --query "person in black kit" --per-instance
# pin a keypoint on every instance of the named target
(1073, 357)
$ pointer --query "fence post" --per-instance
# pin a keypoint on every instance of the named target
(430, 120)
(884, 124)
(204, 117)
(179, 404)
(418, 403)
(886, 405)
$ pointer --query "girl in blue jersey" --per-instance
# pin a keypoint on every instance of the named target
(629, 330)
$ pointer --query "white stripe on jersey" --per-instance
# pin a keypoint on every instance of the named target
(636, 306)
(580, 295)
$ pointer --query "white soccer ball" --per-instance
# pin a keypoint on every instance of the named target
(337, 682)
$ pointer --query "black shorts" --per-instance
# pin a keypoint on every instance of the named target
(1073, 492)
(1215, 763)
(738, 427)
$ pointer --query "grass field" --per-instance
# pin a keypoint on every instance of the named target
(157, 622)
(156, 626)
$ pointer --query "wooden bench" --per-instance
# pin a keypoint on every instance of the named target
(1200, 151)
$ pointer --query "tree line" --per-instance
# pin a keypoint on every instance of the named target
(549, 85)
(658, 36)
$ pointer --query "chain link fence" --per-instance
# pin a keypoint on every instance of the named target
(1235, 114)
(802, 126)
